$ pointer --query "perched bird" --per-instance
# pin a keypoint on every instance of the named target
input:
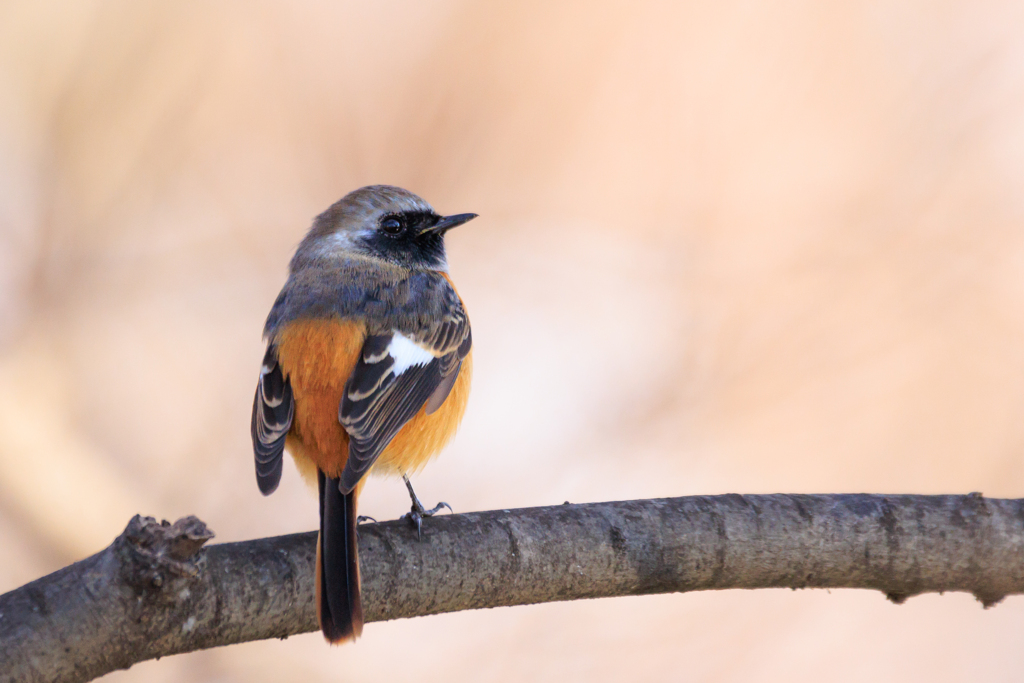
(367, 368)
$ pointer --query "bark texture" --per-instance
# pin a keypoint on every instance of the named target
(155, 591)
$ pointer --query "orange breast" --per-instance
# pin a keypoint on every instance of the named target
(318, 356)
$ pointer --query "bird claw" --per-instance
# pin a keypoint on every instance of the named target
(437, 508)
(362, 519)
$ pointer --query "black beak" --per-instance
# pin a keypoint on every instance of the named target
(449, 222)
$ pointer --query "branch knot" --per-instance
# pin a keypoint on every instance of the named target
(154, 549)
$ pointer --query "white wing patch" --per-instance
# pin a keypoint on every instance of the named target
(407, 353)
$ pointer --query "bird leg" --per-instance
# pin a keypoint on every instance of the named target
(418, 512)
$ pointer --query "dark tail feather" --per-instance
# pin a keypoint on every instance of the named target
(338, 606)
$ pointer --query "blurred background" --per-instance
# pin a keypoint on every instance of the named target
(723, 247)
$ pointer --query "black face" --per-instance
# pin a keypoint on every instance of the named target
(400, 238)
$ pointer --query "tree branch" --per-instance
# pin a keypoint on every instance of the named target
(154, 592)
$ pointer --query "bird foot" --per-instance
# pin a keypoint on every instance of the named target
(362, 519)
(418, 511)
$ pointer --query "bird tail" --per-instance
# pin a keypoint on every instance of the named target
(338, 606)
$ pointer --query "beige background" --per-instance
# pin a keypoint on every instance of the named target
(723, 247)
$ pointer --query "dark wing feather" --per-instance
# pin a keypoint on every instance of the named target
(377, 403)
(272, 413)
(451, 364)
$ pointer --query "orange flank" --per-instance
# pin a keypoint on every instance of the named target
(318, 356)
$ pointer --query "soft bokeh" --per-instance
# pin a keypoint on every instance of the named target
(723, 247)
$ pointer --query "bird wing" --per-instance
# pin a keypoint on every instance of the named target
(272, 412)
(399, 371)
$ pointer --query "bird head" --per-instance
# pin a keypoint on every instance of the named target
(381, 222)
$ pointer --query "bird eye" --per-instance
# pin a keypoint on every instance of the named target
(391, 226)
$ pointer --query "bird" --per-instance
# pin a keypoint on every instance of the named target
(367, 368)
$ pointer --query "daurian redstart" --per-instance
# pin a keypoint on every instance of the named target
(367, 368)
